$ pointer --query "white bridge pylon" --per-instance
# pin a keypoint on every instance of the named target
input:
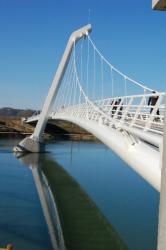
(124, 114)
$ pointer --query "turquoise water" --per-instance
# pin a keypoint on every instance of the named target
(127, 201)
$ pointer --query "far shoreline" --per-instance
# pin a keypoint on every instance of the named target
(15, 127)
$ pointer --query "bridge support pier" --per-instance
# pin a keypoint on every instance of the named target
(29, 144)
(32, 144)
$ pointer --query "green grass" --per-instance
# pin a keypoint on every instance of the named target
(83, 225)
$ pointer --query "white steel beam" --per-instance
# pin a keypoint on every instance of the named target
(75, 36)
(162, 208)
(142, 157)
(34, 142)
(161, 241)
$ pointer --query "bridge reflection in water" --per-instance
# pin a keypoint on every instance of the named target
(75, 223)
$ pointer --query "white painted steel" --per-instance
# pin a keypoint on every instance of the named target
(75, 36)
(34, 142)
(130, 127)
(132, 115)
(126, 124)
(124, 130)
(161, 244)
(143, 158)
(162, 207)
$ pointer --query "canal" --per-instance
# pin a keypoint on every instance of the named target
(124, 199)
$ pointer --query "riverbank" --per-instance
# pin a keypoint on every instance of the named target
(15, 127)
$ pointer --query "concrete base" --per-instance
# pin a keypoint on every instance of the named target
(159, 4)
(30, 145)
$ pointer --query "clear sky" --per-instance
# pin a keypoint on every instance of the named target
(33, 35)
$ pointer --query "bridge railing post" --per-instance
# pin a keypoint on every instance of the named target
(152, 115)
(125, 113)
(118, 107)
(140, 106)
(111, 108)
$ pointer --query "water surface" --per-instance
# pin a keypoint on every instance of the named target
(21, 218)
(126, 200)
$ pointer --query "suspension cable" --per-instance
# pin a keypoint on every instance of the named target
(69, 83)
(102, 86)
(94, 74)
(87, 100)
(115, 69)
(125, 89)
(112, 82)
(87, 71)
(66, 83)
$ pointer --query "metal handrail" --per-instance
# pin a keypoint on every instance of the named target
(131, 111)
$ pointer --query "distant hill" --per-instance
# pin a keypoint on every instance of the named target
(12, 112)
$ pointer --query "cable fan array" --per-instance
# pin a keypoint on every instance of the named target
(93, 88)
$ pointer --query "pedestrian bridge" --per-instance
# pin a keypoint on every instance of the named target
(124, 114)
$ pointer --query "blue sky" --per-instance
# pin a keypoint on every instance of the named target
(33, 35)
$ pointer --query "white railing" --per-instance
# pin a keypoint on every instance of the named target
(131, 111)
